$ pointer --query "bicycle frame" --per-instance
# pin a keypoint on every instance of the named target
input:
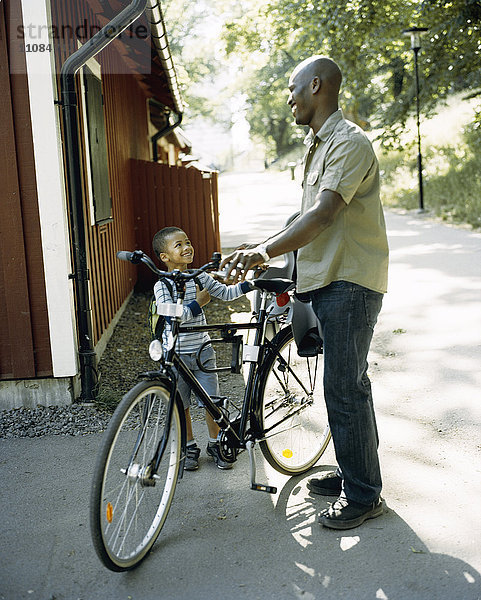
(145, 443)
(237, 433)
(173, 359)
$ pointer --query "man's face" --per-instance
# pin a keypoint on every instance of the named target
(178, 250)
(300, 98)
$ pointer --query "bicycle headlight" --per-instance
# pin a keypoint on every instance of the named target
(155, 350)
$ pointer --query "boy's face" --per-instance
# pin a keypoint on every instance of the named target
(178, 251)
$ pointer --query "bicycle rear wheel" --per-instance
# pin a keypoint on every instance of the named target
(291, 411)
(128, 506)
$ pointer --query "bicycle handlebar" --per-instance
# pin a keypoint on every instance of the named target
(138, 257)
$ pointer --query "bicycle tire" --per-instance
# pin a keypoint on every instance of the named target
(290, 414)
(128, 508)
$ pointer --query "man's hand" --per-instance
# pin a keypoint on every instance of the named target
(239, 262)
(202, 297)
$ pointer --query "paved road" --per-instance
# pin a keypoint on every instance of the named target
(224, 541)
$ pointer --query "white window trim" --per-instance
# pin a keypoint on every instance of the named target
(94, 67)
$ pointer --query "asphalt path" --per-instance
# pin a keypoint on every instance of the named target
(224, 541)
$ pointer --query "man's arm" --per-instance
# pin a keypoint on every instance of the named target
(299, 233)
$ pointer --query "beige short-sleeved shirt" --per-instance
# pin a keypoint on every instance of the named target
(354, 248)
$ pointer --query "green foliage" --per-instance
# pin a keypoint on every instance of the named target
(365, 38)
(268, 114)
(264, 39)
(192, 27)
(452, 179)
(107, 399)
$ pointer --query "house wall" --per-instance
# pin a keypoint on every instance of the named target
(126, 131)
(177, 193)
(111, 281)
(37, 328)
(25, 350)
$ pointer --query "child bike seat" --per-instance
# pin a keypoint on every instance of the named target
(277, 285)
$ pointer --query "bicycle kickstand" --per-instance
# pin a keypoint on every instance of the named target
(259, 487)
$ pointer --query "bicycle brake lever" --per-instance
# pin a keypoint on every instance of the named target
(215, 260)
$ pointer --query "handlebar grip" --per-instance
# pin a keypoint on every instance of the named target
(133, 257)
(124, 255)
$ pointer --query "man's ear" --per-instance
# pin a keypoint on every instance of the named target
(316, 84)
(164, 257)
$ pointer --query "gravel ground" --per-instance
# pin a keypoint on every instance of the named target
(125, 357)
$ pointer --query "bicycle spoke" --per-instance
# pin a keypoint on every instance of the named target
(129, 507)
(293, 418)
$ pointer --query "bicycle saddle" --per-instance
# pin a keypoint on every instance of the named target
(277, 285)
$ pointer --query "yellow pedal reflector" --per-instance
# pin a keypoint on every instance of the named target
(110, 512)
(287, 453)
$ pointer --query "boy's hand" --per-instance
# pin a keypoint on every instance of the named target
(203, 296)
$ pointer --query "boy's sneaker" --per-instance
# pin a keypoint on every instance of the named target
(214, 451)
(192, 458)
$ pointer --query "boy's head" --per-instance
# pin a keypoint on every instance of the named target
(173, 247)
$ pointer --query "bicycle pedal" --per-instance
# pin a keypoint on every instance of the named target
(259, 487)
(219, 400)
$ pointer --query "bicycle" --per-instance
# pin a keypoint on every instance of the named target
(143, 449)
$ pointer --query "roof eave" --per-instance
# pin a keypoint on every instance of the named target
(155, 19)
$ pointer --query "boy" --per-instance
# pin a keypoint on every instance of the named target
(173, 247)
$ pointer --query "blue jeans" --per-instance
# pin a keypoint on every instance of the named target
(347, 313)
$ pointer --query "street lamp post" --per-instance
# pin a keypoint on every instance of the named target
(415, 34)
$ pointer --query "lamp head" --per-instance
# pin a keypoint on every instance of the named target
(415, 33)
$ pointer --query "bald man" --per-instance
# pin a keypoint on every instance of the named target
(342, 264)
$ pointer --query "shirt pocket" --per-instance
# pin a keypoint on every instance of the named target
(312, 178)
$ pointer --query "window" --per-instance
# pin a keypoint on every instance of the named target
(96, 146)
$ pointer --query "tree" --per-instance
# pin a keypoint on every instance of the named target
(193, 28)
(365, 38)
(269, 117)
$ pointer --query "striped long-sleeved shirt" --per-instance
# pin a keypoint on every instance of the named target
(193, 314)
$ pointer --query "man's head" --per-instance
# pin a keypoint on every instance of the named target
(314, 90)
(173, 247)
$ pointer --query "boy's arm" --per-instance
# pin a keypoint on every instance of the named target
(161, 293)
(223, 291)
(191, 308)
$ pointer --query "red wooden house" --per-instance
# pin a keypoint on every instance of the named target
(90, 165)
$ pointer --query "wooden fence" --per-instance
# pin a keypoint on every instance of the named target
(174, 196)
(145, 197)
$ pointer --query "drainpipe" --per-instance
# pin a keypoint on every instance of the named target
(165, 131)
(87, 356)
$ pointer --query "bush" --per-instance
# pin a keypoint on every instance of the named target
(451, 179)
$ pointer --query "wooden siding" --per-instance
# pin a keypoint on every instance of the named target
(179, 195)
(174, 196)
(145, 197)
(127, 136)
(24, 332)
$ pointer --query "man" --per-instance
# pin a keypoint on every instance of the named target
(342, 265)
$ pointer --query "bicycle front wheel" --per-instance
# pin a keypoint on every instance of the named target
(129, 504)
(291, 412)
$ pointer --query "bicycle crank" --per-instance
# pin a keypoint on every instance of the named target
(258, 487)
(227, 451)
